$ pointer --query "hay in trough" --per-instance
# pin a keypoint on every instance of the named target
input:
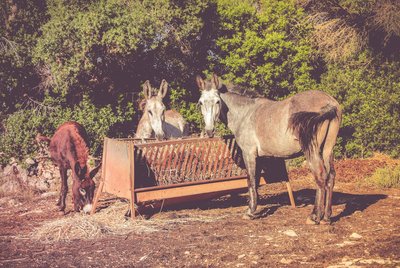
(108, 222)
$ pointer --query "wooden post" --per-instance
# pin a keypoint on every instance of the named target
(96, 199)
(103, 173)
(131, 156)
(290, 192)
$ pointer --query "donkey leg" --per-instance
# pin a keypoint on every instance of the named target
(64, 188)
(329, 191)
(318, 169)
(250, 163)
(327, 154)
(75, 195)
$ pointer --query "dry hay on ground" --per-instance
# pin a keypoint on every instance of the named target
(109, 221)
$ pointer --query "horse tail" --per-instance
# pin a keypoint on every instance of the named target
(40, 138)
(305, 125)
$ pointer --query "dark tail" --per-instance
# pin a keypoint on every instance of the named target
(40, 138)
(306, 124)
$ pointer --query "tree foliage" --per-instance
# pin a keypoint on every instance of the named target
(370, 96)
(87, 60)
(19, 26)
(263, 45)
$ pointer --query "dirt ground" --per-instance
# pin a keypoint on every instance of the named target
(365, 231)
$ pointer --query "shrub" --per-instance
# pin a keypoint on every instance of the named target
(20, 128)
(263, 47)
(370, 97)
(388, 177)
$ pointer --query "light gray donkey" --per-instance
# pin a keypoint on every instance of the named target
(164, 124)
(307, 122)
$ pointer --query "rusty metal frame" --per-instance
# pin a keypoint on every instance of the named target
(118, 170)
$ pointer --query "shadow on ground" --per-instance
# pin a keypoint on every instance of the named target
(271, 203)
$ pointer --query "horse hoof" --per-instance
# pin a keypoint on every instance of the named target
(310, 221)
(61, 212)
(248, 216)
(325, 222)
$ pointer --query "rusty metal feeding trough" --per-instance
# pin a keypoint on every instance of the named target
(152, 171)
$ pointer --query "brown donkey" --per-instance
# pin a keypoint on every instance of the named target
(307, 122)
(69, 150)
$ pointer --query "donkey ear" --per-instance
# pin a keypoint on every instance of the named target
(200, 82)
(142, 104)
(80, 172)
(147, 89)
(215, 81)
(163, 89)
(77, 169)
(94, 171)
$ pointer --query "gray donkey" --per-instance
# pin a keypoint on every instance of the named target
(164, 124)
(307, 122)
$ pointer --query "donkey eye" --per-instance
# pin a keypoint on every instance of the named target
(82, 191)
(218, 102)
(150, 113)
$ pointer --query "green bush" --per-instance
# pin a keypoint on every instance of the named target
(388, 177)
(370, 97)
(20, 128)
(263, 47)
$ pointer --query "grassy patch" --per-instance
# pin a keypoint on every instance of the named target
(387, 177)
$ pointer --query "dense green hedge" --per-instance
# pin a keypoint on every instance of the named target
(86, 61)
(21, 127)
(370, 97)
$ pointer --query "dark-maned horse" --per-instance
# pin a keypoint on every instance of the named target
(69, 150)
(156, 119)
(307, 122)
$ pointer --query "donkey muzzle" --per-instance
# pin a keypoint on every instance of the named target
(87, 208)
(160, 137)
(210, 133)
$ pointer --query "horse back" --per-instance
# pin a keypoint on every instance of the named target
(272, 121)
(311, 101)
(175, 124)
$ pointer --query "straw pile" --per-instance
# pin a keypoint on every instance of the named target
(109, 221)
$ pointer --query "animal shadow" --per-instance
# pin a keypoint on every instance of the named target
(352, 202)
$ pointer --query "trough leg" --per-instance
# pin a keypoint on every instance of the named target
(133, 210)
(290, 192)
(96, 198)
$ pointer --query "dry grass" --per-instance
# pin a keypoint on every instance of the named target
(335, 39)
(387, 177)
(109, 221)
(47, 80)
(8, 47)
(387, 17)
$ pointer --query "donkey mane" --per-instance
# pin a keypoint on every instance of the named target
(81, 146)
(240, 99)
(239, 90)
